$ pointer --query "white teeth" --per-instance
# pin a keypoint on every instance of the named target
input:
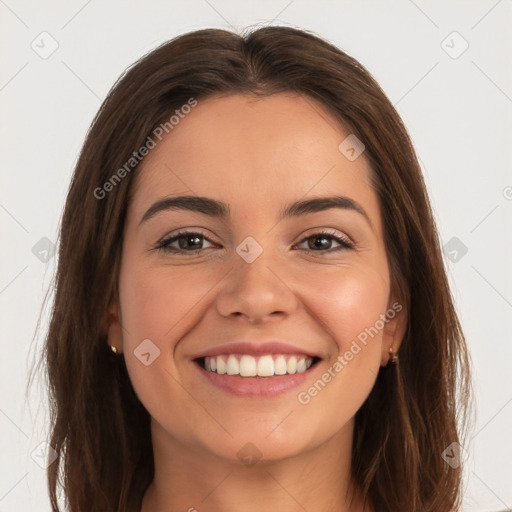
(247, 366)
(233, 367)
(291, 366)
(263, 366)
(221, 365)
(280, 365)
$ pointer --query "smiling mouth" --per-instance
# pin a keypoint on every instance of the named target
(269, 365)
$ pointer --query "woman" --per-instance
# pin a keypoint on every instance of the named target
(246, 246)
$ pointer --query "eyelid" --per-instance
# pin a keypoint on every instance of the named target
(327, 231)
(341, 238)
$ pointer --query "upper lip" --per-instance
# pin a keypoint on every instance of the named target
(255, 349)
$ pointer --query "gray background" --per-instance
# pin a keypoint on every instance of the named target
(456, 103)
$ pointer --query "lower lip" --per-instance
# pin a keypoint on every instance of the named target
(256, 386)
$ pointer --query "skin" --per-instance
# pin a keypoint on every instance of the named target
(257, 155)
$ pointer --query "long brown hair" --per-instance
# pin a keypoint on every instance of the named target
(100, 430)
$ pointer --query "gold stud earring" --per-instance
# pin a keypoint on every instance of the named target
(393, 356)
(114, 349)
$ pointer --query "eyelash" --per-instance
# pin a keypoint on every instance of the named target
(164, 244)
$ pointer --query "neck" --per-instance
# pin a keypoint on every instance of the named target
(192, 479)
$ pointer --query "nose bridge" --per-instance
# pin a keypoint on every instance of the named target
(256, 286)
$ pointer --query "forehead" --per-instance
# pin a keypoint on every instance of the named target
(256, 150)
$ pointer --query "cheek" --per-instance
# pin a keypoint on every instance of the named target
(160, 305)
(155, 304)
(349, 307)
(151, 307)
(349, 304)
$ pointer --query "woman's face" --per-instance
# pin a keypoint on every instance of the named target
(255, 286)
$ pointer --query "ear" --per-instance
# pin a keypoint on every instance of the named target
(113, 326)
(394, 329)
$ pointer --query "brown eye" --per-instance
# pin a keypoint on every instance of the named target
(322, 242)
(187, 241)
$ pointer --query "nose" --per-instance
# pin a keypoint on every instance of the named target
(257, 291)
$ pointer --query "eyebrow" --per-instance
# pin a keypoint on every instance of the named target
(221, 210)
